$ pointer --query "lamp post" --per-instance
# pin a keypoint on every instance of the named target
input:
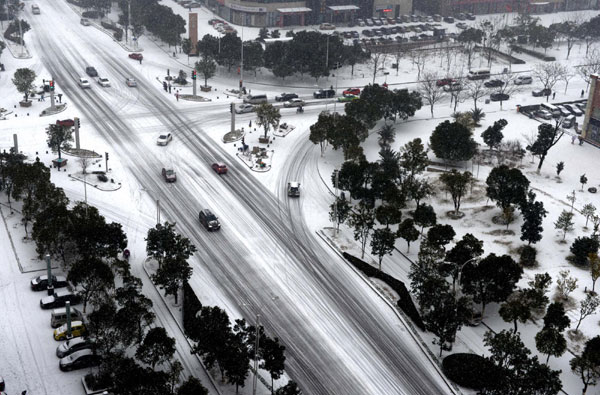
(460, 269)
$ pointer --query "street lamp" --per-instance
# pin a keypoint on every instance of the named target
(460, 269)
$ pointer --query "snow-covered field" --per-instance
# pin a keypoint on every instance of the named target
(28, 360)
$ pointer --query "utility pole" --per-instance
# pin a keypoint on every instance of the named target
(157, 211)
(327, 54)
(128, 21)
(256, 345)
(242, 65)
(335, 207)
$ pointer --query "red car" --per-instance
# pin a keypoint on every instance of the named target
(220, 168)
(445, 81)
(352, 91)
(136, 56)
(69, 123)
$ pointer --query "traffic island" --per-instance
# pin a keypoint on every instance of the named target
(97, 179)
(283, 130)
(194, 98)
(257, 159)
(51, 111)
(236, 135)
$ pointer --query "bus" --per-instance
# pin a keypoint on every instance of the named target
(480, 74)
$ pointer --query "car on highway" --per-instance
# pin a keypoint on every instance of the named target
(493, 84)
(91, 71)
(286, 97)
(84, 83)
(209, 220)
(324, 93)
(59, 299)
(352, 91)
(293, 189)
(544, 114)
(164, 139)
(40, 283)
(542, 92)
(244, 108)
(219, 167)
(499, 97)
(79, 360)
(77, 329)
(104, 82)
(169, 175)
(347, 98)
(131, 82)
(136, 56)
(84, 21)
(75, 344)
(294, 103)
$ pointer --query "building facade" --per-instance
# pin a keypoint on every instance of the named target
(591, 123)
(453, 7)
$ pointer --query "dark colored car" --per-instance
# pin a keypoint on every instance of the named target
(352, 91)
(79, 360)
(493, 84)
(68, 123)
(91, 71)
(286, 97)
(209, 220)
(219, 168)
(169, 175)
(542, 92)
(499, 97)
(136, 56)
(324, 93)
(40, 283)
(59, 299)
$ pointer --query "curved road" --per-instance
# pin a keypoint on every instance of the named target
(340, 337)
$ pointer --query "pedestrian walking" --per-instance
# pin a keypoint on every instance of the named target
(177, 95)
(582, 93)
(59, 97)
(250, 124)
(573, 139)
(42, 97)
(140, 60)
(553, 95)
(169, 87)
(580, 140)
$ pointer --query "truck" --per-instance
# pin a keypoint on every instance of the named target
(293, 189)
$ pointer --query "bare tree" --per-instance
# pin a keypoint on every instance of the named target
(591, 65)
(549, 74)
(567, 77)
(508, 85)
(419, 57)
(475, 90)
(430, 91)
(377, 59)
(491, 38)
(84, 162)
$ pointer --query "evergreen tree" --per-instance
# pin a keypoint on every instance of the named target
(493, 136)
(453, 142)
(273, 358)
(171, 275)
(135, 308)
(291, 388)
(192, 386)
(340, 210)
(267, 117)
(594, 269)
(408, 232)
(466, 249)
(440, 235)
(556, 317)
(382, 243)
(207, 68)
(388, 215)
(211, 333)
(362, 220)
(94, 279)
(506, 187)
(319, 131)
(548, 136)
(515, 309)
(156, 348)
(413, 158)
(587, 365)
(424, 216)
(533, 216)
(582, 247)
(564, 222)
(386, 135)
(59, 138)
(588, 211)
(456, 183)
(560, 166)
(23, 80)
(164, 243)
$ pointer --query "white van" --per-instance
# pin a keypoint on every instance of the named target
(59, 316)
(255, 99)
(552, 109)
(523, 80)
(480, 74)
(35, 9)
(569, 122)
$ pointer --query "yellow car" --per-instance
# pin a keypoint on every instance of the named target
(77, 329)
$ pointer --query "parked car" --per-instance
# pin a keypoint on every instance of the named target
(444, 81)
(84, 83)
(452, 87)
(493, 84)
(209, 220)
(327, 26)
(91, 71)
(244, 108)
(462, 25)
(448, 19)
(377, 22)
(352, 91)
(77, 329)
(369, 22)
(461, 17)
(169, 175)
(563, 111)
(286, 97)
(67, 123)
(59, 299)
(346, 98)
(40, 283)
(523, 80)
(79, 360)
(542, 92)
(324, 93)
(573, 109)
(582, 105)
(499, 97)
(75, 344)
(84, 21)
(544, 114)
(164, 139)
(219, 167)
(131, 82)
(470, 16)
(294, 103)
(104, 82)
(136, 56)
(569, 121)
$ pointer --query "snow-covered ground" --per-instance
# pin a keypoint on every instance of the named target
(28, 351)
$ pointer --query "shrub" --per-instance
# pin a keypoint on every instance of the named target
(191, 306)
(470, 370)
(581, 248)
(528, 255)
(118, 34)
(92, 14)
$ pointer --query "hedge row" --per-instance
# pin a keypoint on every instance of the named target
(470, 370)
(191, 306)
(535, 54)
(405, 302)
(92, 14)
(118, 32)
(505, 56)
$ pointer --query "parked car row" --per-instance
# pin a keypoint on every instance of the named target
(409, 19)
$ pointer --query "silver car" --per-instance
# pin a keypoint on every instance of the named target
(131, 82)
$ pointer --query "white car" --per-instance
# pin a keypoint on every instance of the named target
(244, 108)
(84, 83)
(130, 82)
(103, 82)
(164, 139)
(523, 80)
(294, 103)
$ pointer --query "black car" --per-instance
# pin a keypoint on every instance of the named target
(91, 71)
(209, 220)
(286, 96)
(40, 283)
(499, 97)
(324, 93)
(493, 84)
(542, 92)
(59, 299)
